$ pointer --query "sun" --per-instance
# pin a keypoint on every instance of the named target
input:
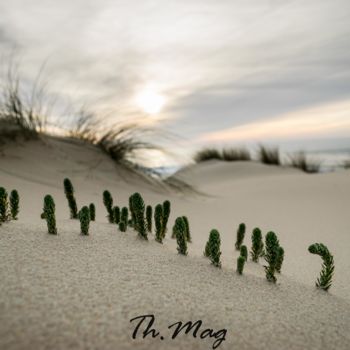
(150, 101)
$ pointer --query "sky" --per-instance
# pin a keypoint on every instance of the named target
(213, 72)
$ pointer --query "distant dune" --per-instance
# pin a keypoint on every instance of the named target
(75, 292)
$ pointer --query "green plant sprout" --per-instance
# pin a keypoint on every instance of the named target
(92, 210)
(166, 214)
(180, 231)
(280, 259)
(49, 213)
(271, 256)
(244, 252)
(214, 247)
(14, 204)
(324, 281)
(124, 217)
(257, 245)
(108, 203)
(240, 236)
(116, 214)
(138, 206)
(4, 206)
(188, 232)
(158, 220)
(84, 217)
(240, 264)
(69, 192)
(149, 214)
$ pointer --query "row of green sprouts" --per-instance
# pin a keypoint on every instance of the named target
(140, 217)
(272, 252)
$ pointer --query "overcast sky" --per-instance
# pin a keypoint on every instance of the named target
(229, 71)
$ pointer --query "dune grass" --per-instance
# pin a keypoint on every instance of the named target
(269, 155)
(23, 112)
(122, 141)
(300, 161)
(265, 154)
(226, 154)
(236, 154)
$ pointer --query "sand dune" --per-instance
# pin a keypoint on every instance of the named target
(75, 292)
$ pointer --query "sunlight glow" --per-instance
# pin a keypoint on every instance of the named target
(150, 101)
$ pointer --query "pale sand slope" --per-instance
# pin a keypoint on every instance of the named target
(75, 292)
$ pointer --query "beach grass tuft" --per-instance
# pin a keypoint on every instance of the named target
(300, 161)
(226, 154)
(269, 155)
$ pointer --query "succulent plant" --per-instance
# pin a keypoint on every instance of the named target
(132, 212)
(49, 213)
(14, 204)
(206, 252)
(69, 192)
(324, 281)
(124, 216)
(149, 214)
(188, 232)
(166, 214)
(240, 236)
(280, 259)
(84, 217)
(240, 264)
(108, 203)
(3, 205)
(257, 245)
(271, 256)
(180, 231)
(244, 252)
(92, 210)
(138, 206)
(116, 214)
(214, 247)
(158, 220)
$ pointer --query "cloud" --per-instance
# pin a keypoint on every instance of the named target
(220, 64)
(323, 120)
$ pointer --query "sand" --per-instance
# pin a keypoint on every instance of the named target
(75, 292)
